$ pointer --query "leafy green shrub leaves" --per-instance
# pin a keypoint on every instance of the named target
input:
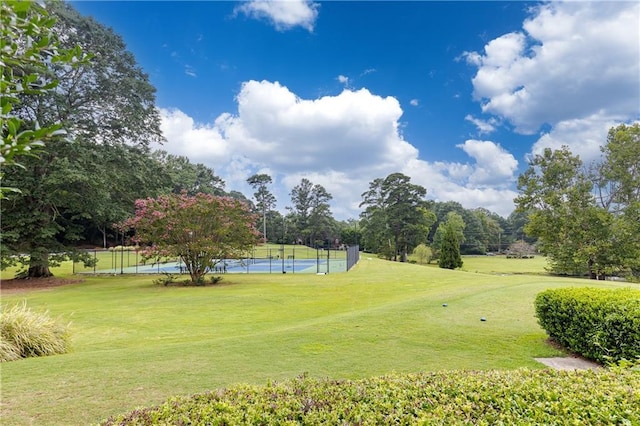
(165, 280)
(460, 397)
(601, 324)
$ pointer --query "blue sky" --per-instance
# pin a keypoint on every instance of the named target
(454, 94)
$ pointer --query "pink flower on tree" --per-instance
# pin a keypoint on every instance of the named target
(201, 230)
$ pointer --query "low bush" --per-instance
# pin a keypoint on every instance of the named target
(456, 397)
(27, 334)
(600, 324)
(165, 280)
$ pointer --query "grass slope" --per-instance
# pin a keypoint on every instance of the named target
(135, 344)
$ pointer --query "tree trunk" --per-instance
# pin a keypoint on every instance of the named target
(195, 268)
(39, 266)
(104, 237)
(592, 272)
(264, 225)
(395, 248)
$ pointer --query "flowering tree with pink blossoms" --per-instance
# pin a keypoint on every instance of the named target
(201, 230)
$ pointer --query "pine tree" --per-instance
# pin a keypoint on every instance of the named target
(450, 250)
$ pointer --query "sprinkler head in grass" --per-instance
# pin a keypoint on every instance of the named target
(483, 319)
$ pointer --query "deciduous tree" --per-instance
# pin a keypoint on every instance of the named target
(423, 254)
(573, 231)
(202, 230)
(453, 222)
(181, 175)
(474, 232)
(104, 102)
(491, 231)
(521, 249)
(28, 43)
(618, 183)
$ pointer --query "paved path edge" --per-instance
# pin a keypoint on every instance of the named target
(568, 363)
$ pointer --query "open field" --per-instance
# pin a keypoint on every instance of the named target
(500, 265)
(135, 343)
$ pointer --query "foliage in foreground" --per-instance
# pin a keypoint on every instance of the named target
(461, 397)
(28, 43)
(90, 178)
(28, 334)
(601, 324)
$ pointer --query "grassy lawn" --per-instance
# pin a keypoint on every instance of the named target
(500, 265)
(135, 344)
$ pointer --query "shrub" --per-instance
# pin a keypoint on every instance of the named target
(423, 254)
(215, 279)
(166, 280)
(600, 324)
(27, 334)
(455, 397)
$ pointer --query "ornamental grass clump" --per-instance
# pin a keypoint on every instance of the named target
(26, 333)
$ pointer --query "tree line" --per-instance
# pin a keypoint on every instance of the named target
(85, 96)
(79, 121)
(586, 217)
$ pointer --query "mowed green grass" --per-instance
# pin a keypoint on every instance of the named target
(500, 265)
(135, 343)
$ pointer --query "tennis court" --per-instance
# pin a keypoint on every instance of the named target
(283, 266)
(294, 261)
(244, 266)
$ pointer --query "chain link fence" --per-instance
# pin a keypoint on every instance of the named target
(283, 259)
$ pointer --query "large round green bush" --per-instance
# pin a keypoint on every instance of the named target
(597, 323)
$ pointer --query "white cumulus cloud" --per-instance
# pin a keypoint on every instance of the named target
(571, 61)
(484, 126)
(283, 14)
(494, 166)
(201, 143)
(583, 136)
(447, 181)
(341, 142)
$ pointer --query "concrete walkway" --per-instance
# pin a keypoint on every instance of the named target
(569, 363)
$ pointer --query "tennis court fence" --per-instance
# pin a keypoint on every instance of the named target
(286, 259)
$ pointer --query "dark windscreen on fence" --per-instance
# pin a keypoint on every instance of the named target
(273, 259)
(353, 256)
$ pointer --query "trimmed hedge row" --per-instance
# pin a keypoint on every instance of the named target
(455, 397)
(600, 324)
